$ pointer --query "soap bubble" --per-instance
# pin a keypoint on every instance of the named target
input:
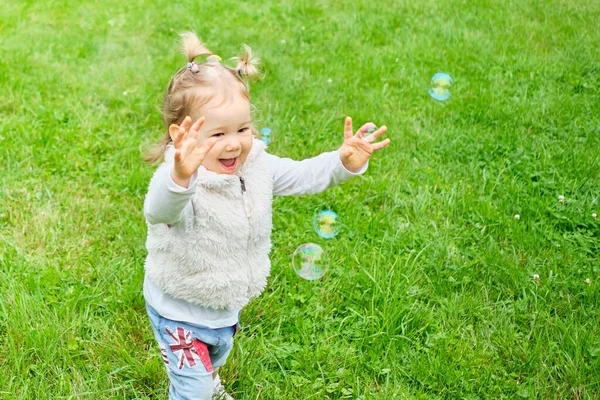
(440, 86)
(310, 261)
(265, 135)
(370, 127)
(327, 224)
(213, 67)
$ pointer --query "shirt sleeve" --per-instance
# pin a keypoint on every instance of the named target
(310, 176)
(166, 201)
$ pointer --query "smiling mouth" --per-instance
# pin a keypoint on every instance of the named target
(228, 163)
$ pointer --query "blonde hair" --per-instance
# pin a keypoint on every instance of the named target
(197, 83)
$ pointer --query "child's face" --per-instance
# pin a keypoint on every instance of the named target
(230, 122)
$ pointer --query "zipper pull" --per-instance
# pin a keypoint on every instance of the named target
(243, 185)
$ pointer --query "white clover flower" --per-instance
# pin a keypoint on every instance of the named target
(517, 216)
(535, 277)
(594, 215)
(588, 280)
(282, 41)
(561, 198)
(329, 80)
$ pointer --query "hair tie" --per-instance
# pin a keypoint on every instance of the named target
(192, 66)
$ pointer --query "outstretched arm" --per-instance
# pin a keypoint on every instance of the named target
(316, 174)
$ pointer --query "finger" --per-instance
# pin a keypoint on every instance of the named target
(348, 128)
(369, 139)
(178, 157)
(186, 122)
(376, 135)
(178, 137)
(185, 148)
(209, 144)
(381, 145)
(196, 127)
(185, 125)
(201, 151)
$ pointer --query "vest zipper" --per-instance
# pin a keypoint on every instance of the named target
(249, 271)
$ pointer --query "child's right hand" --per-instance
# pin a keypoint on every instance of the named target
(189, 151)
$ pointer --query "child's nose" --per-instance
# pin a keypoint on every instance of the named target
(233, 145)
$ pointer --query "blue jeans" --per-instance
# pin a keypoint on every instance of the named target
(191, 353)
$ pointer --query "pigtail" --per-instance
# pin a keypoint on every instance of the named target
(192, 47)
(247, 63)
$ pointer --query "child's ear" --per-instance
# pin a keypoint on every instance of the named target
(173, 129)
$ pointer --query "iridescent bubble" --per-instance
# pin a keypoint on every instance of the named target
(327, 224)
(213, 66)
(310, 261)
(370, 127)
(265, 135)
(440, 86)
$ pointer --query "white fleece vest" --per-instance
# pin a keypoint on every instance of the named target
(219, 258)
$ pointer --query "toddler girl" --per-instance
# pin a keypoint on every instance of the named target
(208, 211)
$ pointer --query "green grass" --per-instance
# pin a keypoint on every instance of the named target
(430, 292)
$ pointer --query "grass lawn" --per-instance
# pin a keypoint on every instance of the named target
(431, 291)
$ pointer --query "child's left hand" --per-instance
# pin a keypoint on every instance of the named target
(357, 150)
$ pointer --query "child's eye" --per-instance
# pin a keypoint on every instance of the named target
(244, 130)
(218, 134)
